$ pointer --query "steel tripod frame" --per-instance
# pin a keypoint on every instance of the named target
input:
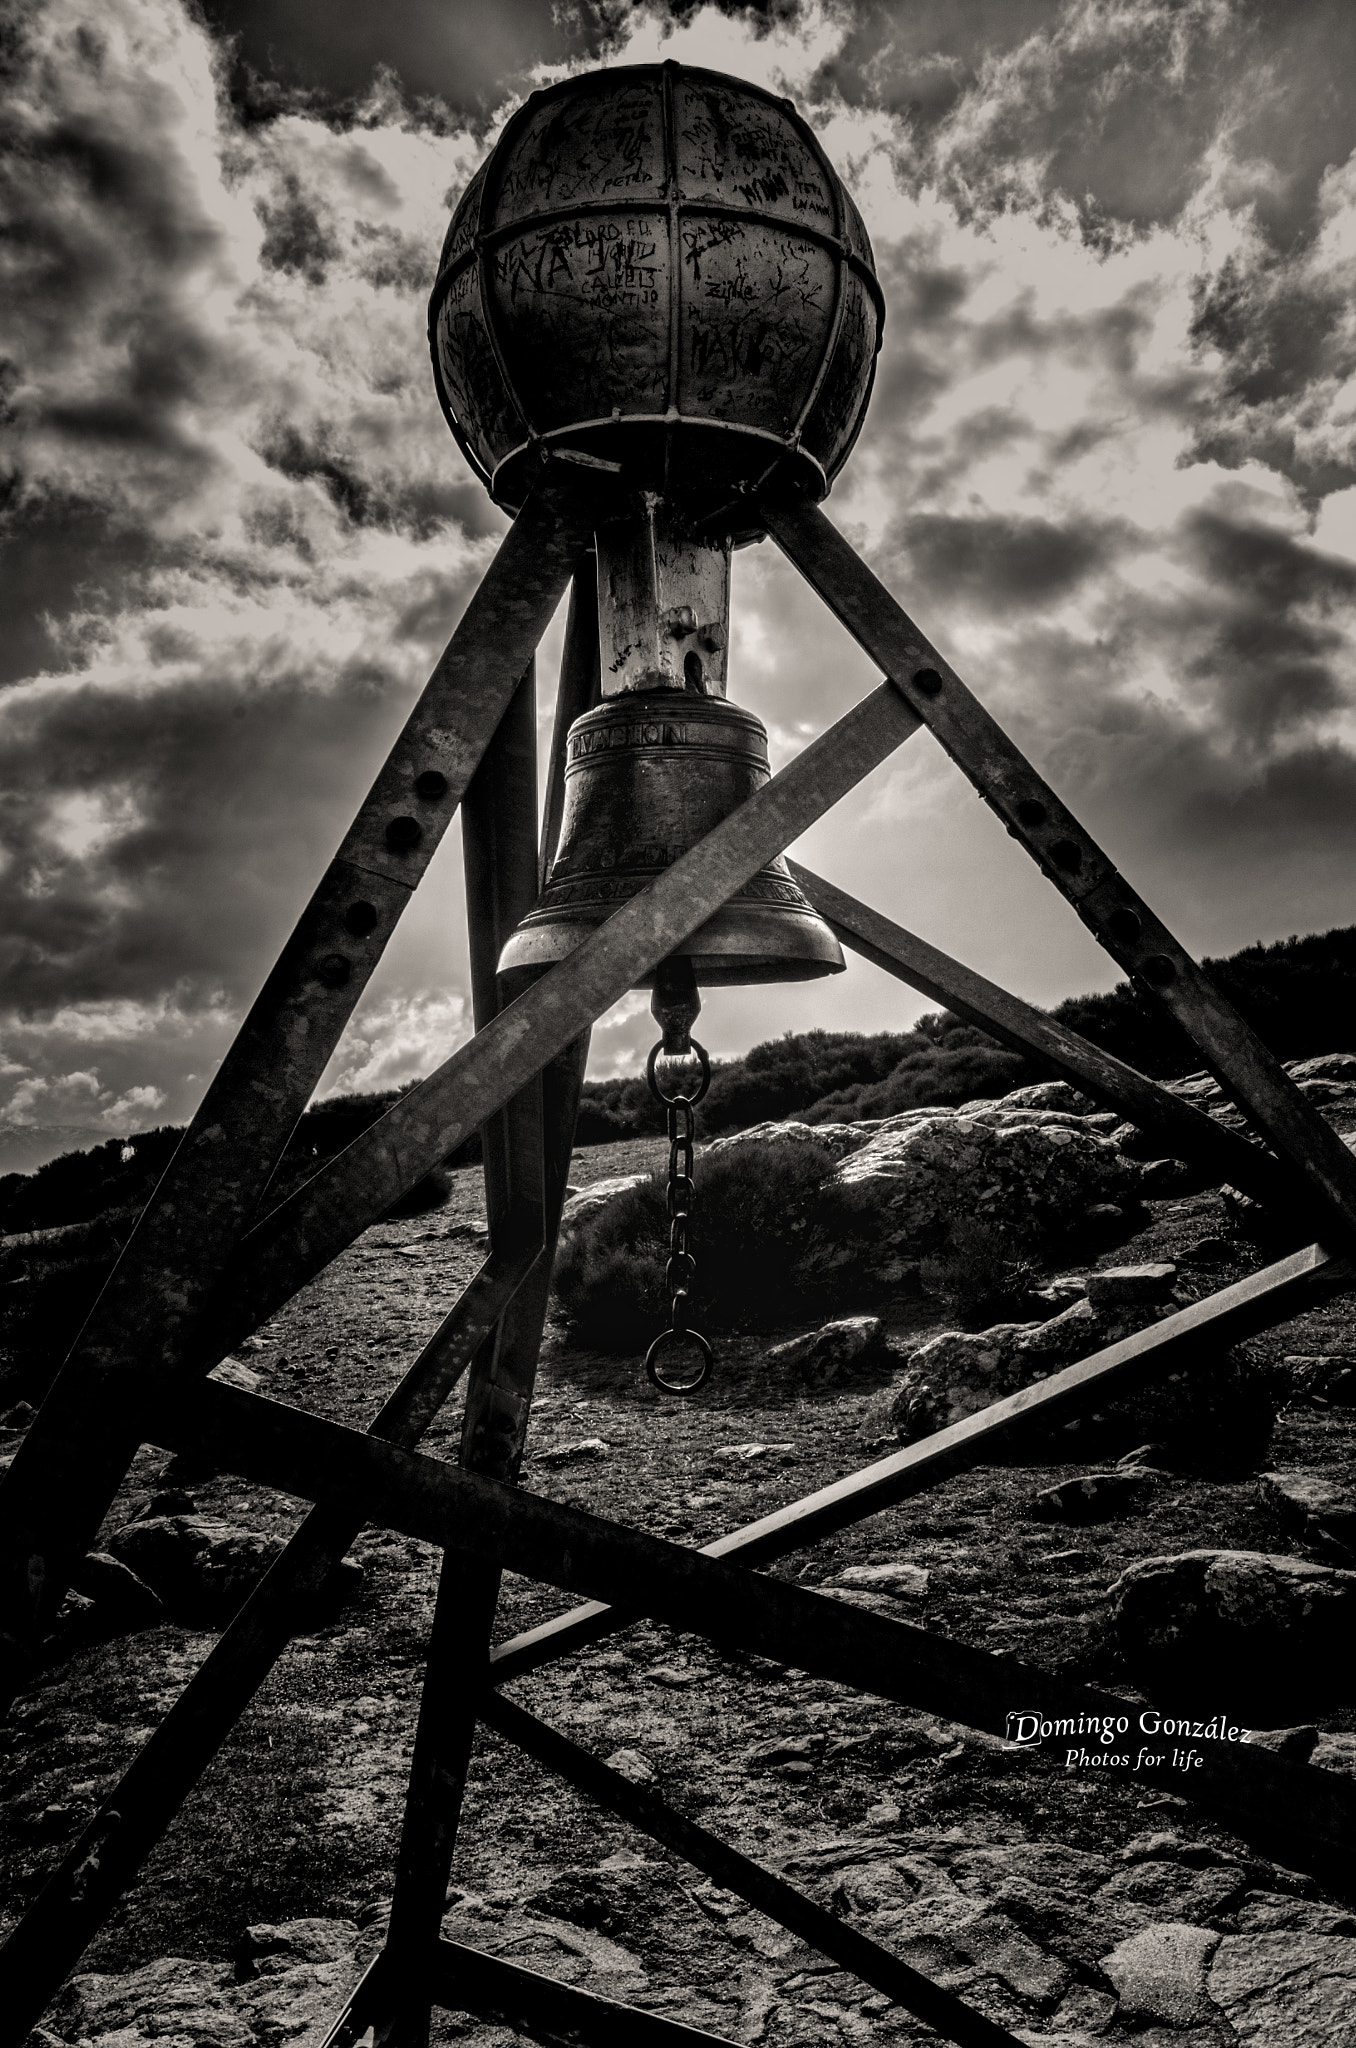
(517, 1080)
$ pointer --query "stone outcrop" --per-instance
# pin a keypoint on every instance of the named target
(1027, 1173)
(1216, 1410)
(287, 1987)
(202, 1568)
(1240, 1623)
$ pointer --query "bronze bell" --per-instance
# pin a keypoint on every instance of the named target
(663, 759)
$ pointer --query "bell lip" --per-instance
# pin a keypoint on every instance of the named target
(800, 947)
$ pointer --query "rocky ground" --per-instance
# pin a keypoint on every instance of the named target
(1074, 1905)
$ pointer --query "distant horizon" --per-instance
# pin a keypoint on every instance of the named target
(26, 1143)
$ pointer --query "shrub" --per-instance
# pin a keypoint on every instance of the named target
(609, 1272)
(984, 1275)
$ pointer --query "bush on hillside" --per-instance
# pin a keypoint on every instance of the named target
(1299, 995)
(984, 1275)
(958, 1065)
(609, 1271)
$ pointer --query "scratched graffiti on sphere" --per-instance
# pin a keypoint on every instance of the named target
(657, 267)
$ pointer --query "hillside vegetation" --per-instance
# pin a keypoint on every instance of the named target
(1299, 995)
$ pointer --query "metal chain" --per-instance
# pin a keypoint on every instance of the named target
(681, 1267)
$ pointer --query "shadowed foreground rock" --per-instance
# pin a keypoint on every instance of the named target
(1246, 1627)
(1216, 1412)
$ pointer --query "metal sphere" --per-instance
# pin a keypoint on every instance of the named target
(657, 267)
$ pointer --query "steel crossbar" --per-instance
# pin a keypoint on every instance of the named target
(1279, 1291)
(1181, 1128)
(941, 2010)
(734, 1608)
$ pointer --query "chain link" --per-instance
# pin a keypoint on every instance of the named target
(681, 1268)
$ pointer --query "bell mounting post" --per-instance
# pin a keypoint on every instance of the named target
(654, 331)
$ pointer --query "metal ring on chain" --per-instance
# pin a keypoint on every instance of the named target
(657, 1091)
(687, 1386)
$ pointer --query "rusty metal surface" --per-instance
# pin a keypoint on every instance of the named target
(648, 776)
(302, 1235)
(1257, 1303)
(663, 602)
(1118, 918)
(523, 1532)
(658, 266)
(950, 2016)
(1183, 1130)
(74, 1456)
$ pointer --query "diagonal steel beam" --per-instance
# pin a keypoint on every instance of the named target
(558, 2015)
(87, 1883)
(948, 2015)
(303, 1234)
(527, 1161)
(73, 1459)
(463, 1979)
(1256, 1303)
(1185, 1131)
(738, 1609)
(1118, 918)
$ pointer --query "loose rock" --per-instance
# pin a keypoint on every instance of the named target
(201, 1568)
(1329, 1376)
(1131, 1286)
(903, 1581)
(576, 1452)
(1319, 1506)
(833, 1355)
(1159, 1974)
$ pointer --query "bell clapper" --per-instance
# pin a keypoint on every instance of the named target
(679, 1074)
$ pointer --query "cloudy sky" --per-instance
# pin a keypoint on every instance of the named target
(1110, 464)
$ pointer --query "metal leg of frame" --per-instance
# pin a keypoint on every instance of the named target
(527, 1154)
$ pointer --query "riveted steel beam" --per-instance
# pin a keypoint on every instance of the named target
(1184, 1130)
(1068, 856)
(141, 1331)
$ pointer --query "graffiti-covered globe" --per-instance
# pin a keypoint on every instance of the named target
(657, 268)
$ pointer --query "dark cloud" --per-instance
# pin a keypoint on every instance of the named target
(996, 564)
(238, 532)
